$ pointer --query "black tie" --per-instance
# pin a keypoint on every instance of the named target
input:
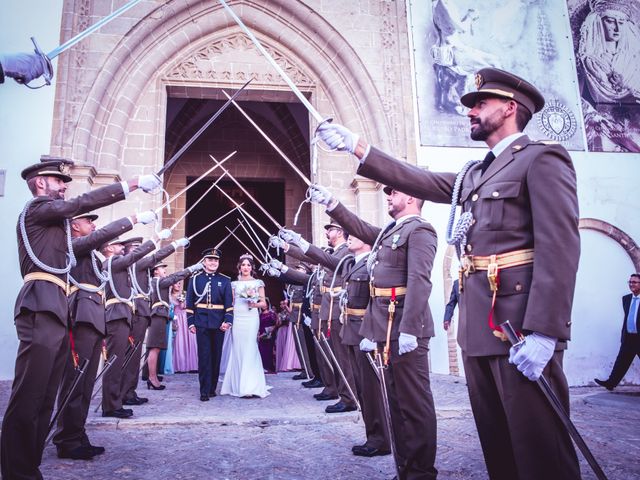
(389, 227)
(487, 161)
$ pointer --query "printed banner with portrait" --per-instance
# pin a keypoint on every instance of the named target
(453, 39)
(606, 39)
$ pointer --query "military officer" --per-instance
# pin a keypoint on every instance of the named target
(86, 310)
(119, 312)
(209, 315)
(140, 321)
(520, 244)
(41, 310)
(398, 320)
(160, 306)
(332, 284)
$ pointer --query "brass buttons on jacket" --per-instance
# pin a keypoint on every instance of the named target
(474, 197)
(469, 248)
(518, 287)
(495, 194)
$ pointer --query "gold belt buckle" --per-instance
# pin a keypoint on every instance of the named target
(492, 273)
(372, 290)
(467, 265)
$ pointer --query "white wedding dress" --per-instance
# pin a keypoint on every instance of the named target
(244, 375)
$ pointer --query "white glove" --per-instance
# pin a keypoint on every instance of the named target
(533, 354)
(164, 234)
(367, 345)
(407, 343)
(277, 242)
(307, 320)
(320, 195)
(273, 272)
(149, 183)
(24, 67)
(294, 238)
(181, 242)
(146, 217)
(338, 137)
(196, 267)
(274, 263)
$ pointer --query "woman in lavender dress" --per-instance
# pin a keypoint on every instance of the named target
(185, 349)
(286, 356)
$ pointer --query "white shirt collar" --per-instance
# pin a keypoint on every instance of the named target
(405, 217)
(505, 142)
(360, 256)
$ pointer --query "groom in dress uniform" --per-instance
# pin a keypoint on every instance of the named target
(209, 316)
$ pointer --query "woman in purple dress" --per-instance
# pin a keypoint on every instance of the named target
(185, 349)
(286, 355)
(266, 337)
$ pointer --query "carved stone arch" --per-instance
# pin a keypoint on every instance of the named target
(134, 70)
(613, 232)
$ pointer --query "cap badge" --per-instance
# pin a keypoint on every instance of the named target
(479, 81)
(65, 169)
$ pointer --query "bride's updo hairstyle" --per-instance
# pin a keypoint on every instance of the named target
(249, 258)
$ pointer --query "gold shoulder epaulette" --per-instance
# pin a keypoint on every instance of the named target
(225, 276)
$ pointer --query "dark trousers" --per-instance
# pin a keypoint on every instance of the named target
(412, 412)
(70, 432)
(301, 350)
(210, 342)
(629, 349)
(368, 391)
(117, 341)
(521, 436)
(131, 375)
(42, 352)
(325, 366)
(311, 349)
(342, 356)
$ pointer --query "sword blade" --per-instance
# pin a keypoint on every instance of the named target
(558, 408)
(212, 223)
(300, 350)
(88, 31)
(271, 142)
(183, 216)
(324, 355)
(246, 230)
(177, 155)
(274, 64)
(221, 242)
(244, 190)
(244, 245)
(159, 209)
(387, 409)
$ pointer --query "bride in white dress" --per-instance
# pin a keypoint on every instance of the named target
(244, 376)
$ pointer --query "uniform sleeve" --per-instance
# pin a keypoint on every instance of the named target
(228, 303)
(122, 262)
(416, 315)
(83, 245)
(551, 182)
(157, 256)
(323, 258)
(174, 278)
(190, 303)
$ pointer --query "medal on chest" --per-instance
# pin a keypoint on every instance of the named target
(394, 241)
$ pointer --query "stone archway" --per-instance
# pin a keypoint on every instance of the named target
(613, 232)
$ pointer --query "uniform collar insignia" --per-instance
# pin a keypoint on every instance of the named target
(479, 81)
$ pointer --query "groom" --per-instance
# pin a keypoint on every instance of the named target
(209, 315)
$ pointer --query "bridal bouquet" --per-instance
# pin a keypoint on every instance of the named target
(268, 332)
(250, 294)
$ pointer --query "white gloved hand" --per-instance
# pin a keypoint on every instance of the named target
(319, 194)
(164, 234)
(149, 183)
(24, 67)
(367, 345)
(196, 267)
(307, 320)
(294, 238)
(274, 263)
(277, 242)
(273, 272)
(338, 137)
(407, 343)
(146, 217)
(181, 242)
(533, 354)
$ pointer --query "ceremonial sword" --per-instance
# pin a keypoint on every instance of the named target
(299, 344)
(212, 223)
(244, 245)
(379, 369)
(557, 407)
(246, 230)
(342, 375)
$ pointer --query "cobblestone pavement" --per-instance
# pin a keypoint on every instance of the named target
(288, 436)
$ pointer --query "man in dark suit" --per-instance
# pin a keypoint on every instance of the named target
(209, 315)
(450, 307)
(521, 197)
(630, 340)
(41, 312)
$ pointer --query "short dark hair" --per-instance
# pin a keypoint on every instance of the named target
(637, 275)
(31, 183)
(523, 116)
(419, 202)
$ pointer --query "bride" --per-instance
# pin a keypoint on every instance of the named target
(244, 376)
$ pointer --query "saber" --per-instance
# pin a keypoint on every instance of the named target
(105, 367)
(271, 142)
(244, 190)
(177, 155)
(227, 237)
(557, 407)
(88, 31)
(244, 245)
(299, 345)
(246, 230)
(379, 371)
(212, 224)
(242, 210)
(175, 224)
(264, 247)
(273, 63)
(344, 378)
(159, 209)
(324, 355)
(76, 381)
(127, 358)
